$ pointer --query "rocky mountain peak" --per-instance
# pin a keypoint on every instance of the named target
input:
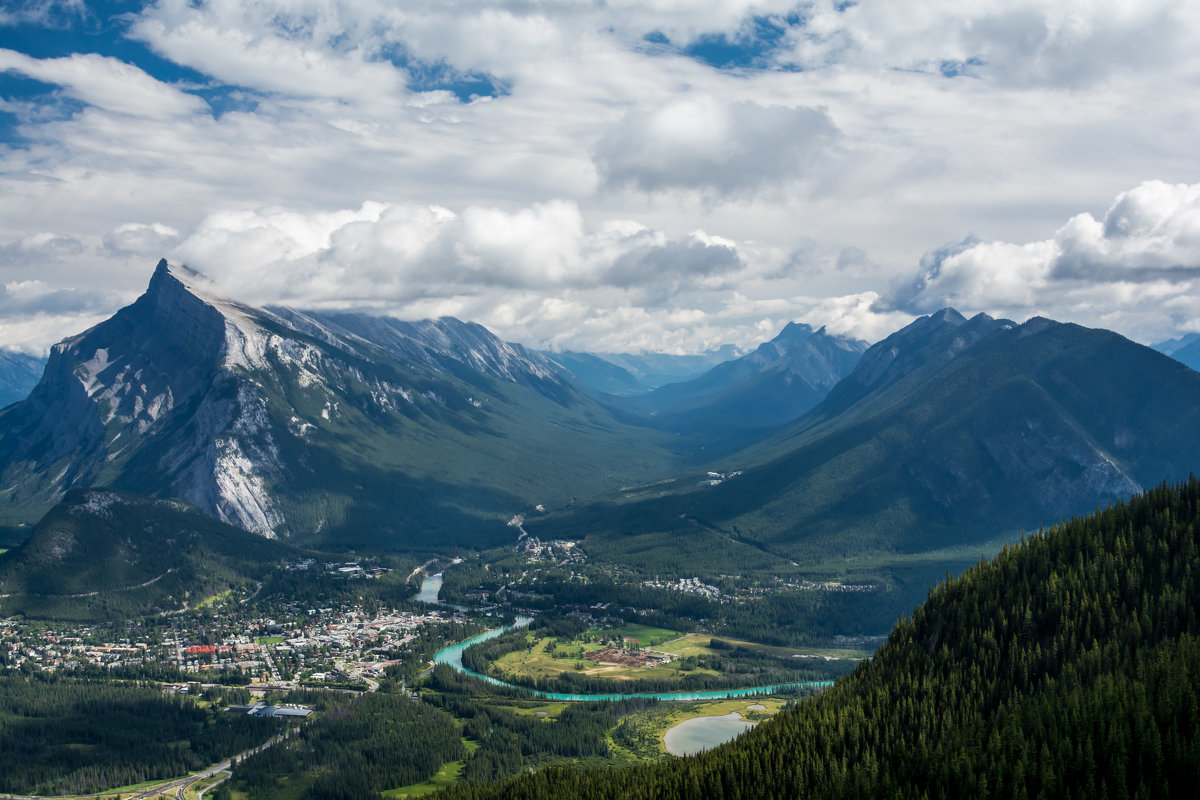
(193, 326)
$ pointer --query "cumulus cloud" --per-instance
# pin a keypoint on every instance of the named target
(1138, 266)
(404, 252)
(35, 249)
(541, 274)
(30, 298)
(1019, 42)
(140, 239)
(793, 185)
(703, 144)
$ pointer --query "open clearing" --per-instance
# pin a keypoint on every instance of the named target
(695, 644)
(548, 658)
(446, 776)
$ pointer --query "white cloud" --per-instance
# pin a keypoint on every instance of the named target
(38, 248)
(141, 239)
(1137, 268)
(402, 252)
(1069, 43)
(106, 83)
(288, 48)
(623, 180)
(700, 143)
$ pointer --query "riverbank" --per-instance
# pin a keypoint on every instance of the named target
(452, 657)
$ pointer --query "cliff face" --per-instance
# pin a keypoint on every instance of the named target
(110, 389)
(250, 414)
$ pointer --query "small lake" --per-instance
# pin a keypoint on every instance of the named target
(704, 733)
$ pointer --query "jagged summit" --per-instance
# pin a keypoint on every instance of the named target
(775, 383)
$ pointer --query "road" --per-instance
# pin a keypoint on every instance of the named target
(178, 786)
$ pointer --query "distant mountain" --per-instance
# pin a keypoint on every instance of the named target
(950, 432)
(19, 373)
(341, 427)
(629, 373)
(597, 373)
(1185, 349)
(1065, 667)
(776, 383)
(104, 554)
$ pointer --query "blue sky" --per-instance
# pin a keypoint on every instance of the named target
(607, 176)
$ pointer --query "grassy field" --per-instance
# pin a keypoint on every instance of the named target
(549, 658)
(643, 635)
(193, 790)
(695, 644)
(446, 776)
(543, 710)
(270, 640)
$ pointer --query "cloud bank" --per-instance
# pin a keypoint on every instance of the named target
(617, 175)
(1136, 269)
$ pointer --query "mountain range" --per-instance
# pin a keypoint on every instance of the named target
(775, 383)
(1185, 349)
(636, 373)
(348, 430)
(948, 432)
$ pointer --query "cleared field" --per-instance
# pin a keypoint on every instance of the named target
(548, 659)
(642, 635)
(695, 644)
(544, 710)
(446, 776)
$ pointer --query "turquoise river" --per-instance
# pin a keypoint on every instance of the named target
(452, 657)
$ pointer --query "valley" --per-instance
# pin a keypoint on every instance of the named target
(473, 561)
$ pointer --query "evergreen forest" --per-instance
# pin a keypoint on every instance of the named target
(1066, 667)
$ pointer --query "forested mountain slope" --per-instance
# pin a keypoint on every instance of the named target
(1068, 667)
(101, 554)
(950, 433)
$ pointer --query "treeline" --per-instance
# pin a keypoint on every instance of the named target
(415, 655)
(61, 735)
(787, 618)
(1068, 667)
(354, 751)
(511, 743)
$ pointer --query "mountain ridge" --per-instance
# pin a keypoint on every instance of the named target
(287, 422)
(971, 431)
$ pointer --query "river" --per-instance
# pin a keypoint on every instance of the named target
(452, 657)
(431, 587)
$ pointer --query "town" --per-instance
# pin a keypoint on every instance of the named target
(341, 645)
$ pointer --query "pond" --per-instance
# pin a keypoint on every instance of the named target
(704, 733)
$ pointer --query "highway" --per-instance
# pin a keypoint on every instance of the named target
(178, 786)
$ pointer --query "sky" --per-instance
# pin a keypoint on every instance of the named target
(611, 176)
